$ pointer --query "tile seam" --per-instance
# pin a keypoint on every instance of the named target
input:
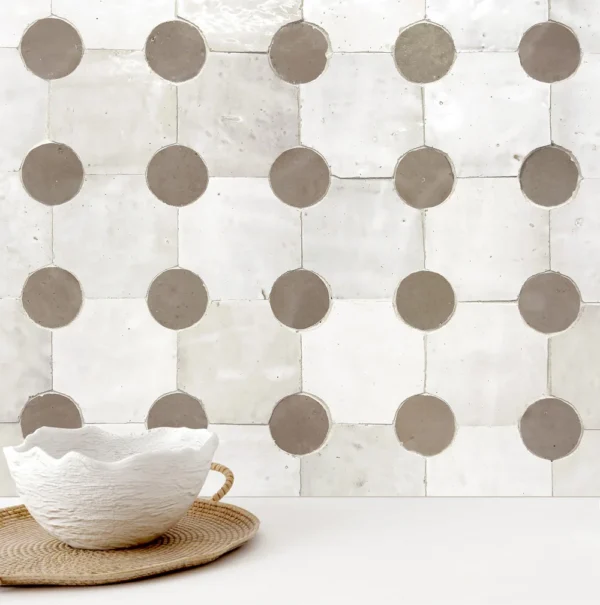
(423, 114)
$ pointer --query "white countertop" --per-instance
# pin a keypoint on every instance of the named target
(517, 551)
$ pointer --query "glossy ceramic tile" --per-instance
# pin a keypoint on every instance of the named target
(472, 117)
(113, 111)
(481, 341)
(120, 339)
(362, 361)
(488, 461)
(239, 243)
(239, 360)
(363, 460)
(115, 236)
(362, 239)
(357, 239)
(372, 146)
(482, 266)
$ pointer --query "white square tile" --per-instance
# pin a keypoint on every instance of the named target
(25, 233)
(363, 25)
(240, 25)
(23, 109)
(10, 434)
(574, 237)
(363, 361)
(114, 360)
(361, 115)
(240, 361)
(362, 460)
(575, 359)
(362, 239)
(113, 111)
(238, 115)
(487, 114)
(487, 24)
(488, 461)
(578, 475)
(239, 238)
(487, 239)
(114, 24)
(25, 352)
(17, 15)
(487, 364)
(582, 16)
(259, 466)
(127, 430)
(575, 119)
(115, 236)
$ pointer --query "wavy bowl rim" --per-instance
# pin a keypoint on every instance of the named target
(24, 450)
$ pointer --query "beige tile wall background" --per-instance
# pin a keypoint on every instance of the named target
(359, 239)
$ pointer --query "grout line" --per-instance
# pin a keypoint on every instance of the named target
(177, 361)
(425, 342)
(550, 115)
(301, 364)
(299, 101)
(176, 114)
(51, 360)
(549, 240)
(48, 112)
(177, 235)
(549, 9)
(423, 113)
(549, 366)
(423, 237)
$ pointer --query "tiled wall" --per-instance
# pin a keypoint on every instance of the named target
(359, 239)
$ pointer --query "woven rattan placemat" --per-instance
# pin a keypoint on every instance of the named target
(30, 556)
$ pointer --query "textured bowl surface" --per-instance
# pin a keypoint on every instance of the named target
(96, 490)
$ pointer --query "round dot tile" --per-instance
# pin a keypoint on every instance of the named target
(176, 51)
(177, 175)
(52, 174)
(50, 409)
(300, 177)
(299, 424)
(549, 52)
(424, 53)
(51, 48)
(177, 299)
(424, 177)
(299, 299)
(298, 52)
(425, 424)
(52, 297)
(549, 302)
(425, 300)
(550, 428)
(549, 176)
(175, 410)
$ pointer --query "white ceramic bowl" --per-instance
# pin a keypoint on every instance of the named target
(96, 490)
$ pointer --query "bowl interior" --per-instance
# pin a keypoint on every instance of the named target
(99, 444)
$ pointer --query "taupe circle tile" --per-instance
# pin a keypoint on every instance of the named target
(549, 176)
(175, 50)
(424, 52)
(177, 175)
(51, 48)
(177, 409)
(298, 52)
(424, 177)
(549, 52)
(425, 300)
(177, 299)
(549, 302)
(52, 174)
(50, 409)
(425, 424)
(300, 177)
(299, 299)
(550, 428)
(299, 424)
(52, 297)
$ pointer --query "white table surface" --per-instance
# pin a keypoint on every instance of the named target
(406, 551)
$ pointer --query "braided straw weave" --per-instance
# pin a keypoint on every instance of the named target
(29, 556)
